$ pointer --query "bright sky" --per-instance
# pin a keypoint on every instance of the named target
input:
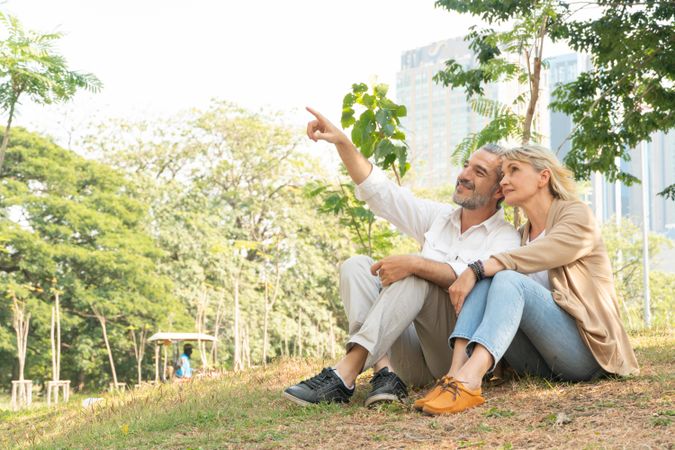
(158, 57)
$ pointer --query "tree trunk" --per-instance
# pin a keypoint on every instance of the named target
(299, 338)
(5, 138)
(201, 325)
(534, 79)
(102, 320)
(534, 82)
(56, 338)
(139, 350)
(265, 331)
(246, 348)
(269, 304)
(331, 337)
(55, 377)
(156, 363)
(21, 323)
(165, 362)
(216, 330)
(237, 337)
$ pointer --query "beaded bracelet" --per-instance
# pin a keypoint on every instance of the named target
(478, 269)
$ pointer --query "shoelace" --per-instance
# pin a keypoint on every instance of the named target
(319, 379)
(450, 385)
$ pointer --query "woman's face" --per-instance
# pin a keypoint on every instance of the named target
(521, 182)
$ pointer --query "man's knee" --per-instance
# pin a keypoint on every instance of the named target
(355, 265)
(411, 281)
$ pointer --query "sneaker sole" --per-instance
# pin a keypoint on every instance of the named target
(381, 398)
(296, 400)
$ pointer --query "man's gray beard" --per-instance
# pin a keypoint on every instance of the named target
(475, 201)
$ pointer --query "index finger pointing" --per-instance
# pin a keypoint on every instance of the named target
(315, 113)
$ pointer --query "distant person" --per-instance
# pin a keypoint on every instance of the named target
(398, 309)
(184, 370)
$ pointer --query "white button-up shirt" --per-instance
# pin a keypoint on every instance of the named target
(436, 226)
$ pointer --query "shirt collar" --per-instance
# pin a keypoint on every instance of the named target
(490, 224)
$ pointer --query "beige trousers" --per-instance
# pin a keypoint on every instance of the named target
(409, 320)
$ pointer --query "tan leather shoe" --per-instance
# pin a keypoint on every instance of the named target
(432, 394)
(454, 398)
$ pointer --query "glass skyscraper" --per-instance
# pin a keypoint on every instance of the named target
(439, 118)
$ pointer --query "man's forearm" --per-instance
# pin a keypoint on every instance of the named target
(357, 165)
(439, 273)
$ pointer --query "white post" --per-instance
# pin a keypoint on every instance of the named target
(599, 191)
(645, 234)
(617, 196)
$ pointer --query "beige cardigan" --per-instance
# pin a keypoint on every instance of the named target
(581, 280)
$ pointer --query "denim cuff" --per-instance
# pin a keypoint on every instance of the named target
(469, 349)
(453, 336)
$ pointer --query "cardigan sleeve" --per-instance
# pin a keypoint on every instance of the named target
(571, 237)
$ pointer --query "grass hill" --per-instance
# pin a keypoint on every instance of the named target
(246, 410)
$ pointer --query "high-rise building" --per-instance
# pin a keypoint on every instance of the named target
(603, 195)
(438, 117)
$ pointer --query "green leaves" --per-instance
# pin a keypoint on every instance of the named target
(628, 94)
(376, 132)
(29, 67)
(81, 227)
(625, 97)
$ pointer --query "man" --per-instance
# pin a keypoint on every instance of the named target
(184, 370)
(399, 312)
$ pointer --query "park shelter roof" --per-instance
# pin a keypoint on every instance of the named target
(178, 337)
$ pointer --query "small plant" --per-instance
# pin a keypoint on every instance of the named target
(496, 413)
(376, 133)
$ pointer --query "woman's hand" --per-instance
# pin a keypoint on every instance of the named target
(461, 288)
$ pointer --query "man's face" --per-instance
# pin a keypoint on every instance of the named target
(477, 183)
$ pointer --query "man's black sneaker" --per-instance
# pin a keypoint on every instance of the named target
(387, 387)
(324, 387)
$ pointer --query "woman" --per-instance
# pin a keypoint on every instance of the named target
(549, 307)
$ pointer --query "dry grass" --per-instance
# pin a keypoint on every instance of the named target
(246, 410)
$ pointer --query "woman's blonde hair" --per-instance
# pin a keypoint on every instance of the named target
(561, 184)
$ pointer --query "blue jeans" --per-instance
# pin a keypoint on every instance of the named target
(515, 317)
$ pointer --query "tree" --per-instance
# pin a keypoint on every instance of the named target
(29, 67)
(68, 218)
(624, 248)
(501, 56)
(628, 94)
(225, 192)
(21, 323)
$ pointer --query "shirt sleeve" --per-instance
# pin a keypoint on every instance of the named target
(458, 266)
(572, 237)
(411, 215)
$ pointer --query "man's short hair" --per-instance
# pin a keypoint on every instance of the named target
(495, 150)
(499, 151)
